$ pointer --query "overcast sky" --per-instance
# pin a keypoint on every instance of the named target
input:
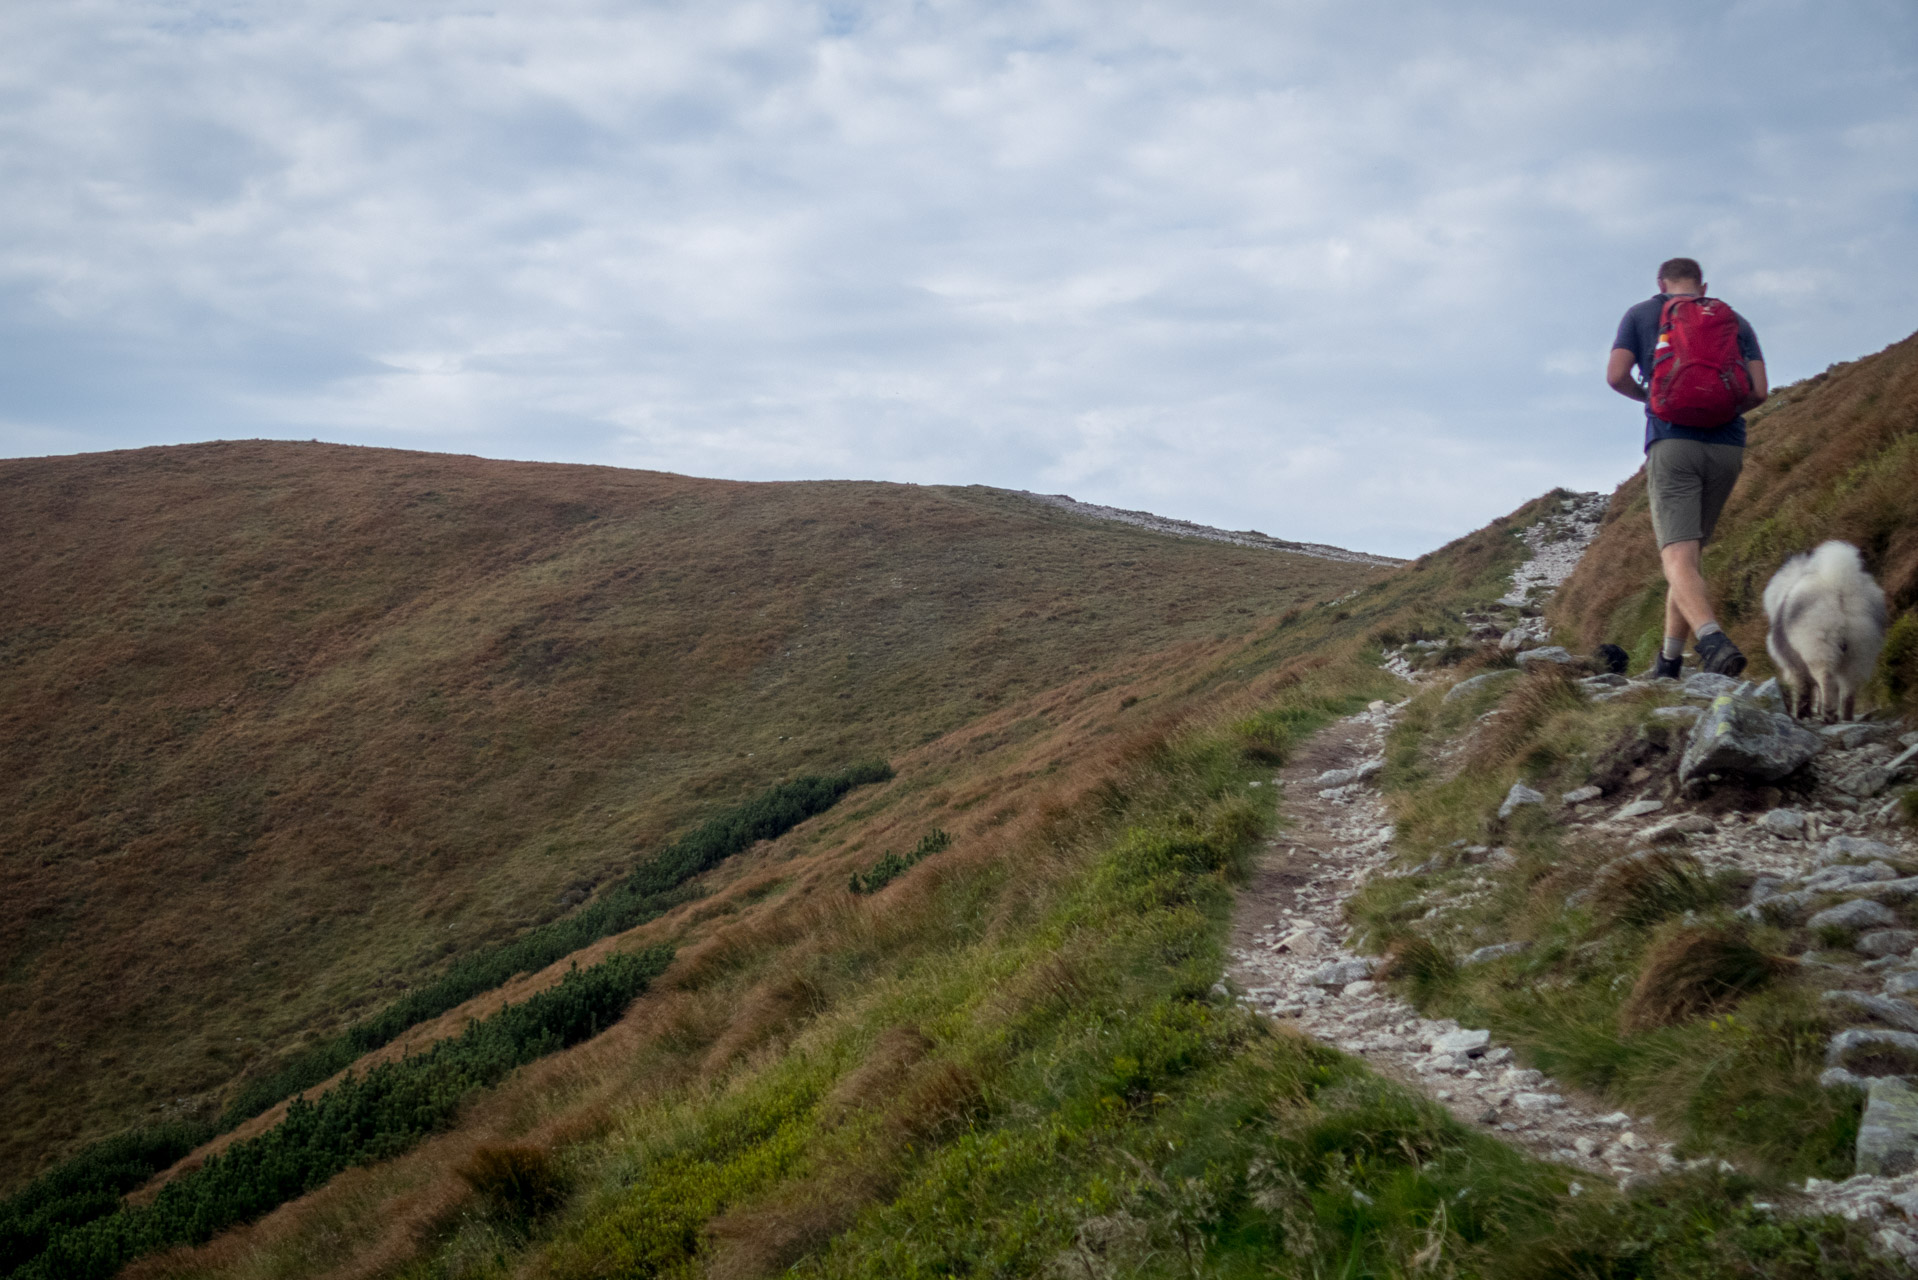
(1344, 271)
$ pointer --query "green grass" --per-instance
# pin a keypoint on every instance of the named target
(1739, 1081)
(1072, 1096)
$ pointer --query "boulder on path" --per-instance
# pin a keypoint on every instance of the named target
(1786, 824)
(1557, 653)
(1708, 684)
(1341, 973)
(1469, 1042)
(1888, 1134)
(1737, 736)
(1888, 942)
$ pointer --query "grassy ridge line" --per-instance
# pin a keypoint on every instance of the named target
(361, 1120)
(653, 888)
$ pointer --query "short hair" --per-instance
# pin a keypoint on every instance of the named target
(1682, 269)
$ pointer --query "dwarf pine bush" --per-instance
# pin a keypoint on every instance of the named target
(654, 887)
(892, 866)
(361, 1120)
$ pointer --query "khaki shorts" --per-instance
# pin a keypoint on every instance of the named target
(1688, 481)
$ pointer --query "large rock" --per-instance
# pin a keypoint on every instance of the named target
(1888, 1134)
(1464, 687)
(1556, 653)
(1341, 972)
(1902, 1044)
(1786, 824)
(1709, 684)
(1851, 847)
(1519, 795)
(1838, 877)
(1893, 1013)
(1887, 942)
(1899, 890)
(1498, 950)
(1737, 736)
(1470, 1042)
(1859, 913)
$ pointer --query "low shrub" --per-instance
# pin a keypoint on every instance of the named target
(361, 1120)
(1420, 963)
(1694, 971)
(88, 1186)
(653, 888)
(892, 865)
(518, 1183)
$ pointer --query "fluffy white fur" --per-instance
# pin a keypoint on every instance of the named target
(1827, 626)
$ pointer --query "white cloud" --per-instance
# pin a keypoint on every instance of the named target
(1340, 272)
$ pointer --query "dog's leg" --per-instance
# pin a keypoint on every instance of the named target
(1828, 698)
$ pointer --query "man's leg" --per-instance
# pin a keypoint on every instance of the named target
(1688, 606)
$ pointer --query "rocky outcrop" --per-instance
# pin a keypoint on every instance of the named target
(1737, 736)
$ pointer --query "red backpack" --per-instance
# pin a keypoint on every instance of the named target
(1698, 376)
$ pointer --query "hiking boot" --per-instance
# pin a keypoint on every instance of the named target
(1718, 655)
(1664, 668)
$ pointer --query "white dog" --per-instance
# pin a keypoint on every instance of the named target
(1827, 626)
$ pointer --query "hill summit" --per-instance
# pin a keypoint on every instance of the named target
(287, 728)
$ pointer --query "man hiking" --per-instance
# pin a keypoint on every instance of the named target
(1700, 367)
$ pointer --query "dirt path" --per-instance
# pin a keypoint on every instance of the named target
(1289, 957)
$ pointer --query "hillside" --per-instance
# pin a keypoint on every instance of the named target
(1212, 943)
(286, 727)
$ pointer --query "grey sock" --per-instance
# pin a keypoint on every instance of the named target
(1709, 629)
(1674, 647)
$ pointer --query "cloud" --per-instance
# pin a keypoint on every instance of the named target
(1320, 269)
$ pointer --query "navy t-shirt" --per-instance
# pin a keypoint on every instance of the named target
(1638, 334)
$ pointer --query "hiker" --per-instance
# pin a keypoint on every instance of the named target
(1699, 371)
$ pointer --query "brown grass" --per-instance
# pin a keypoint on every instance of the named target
(1694, 971)
(516, 1180)
(1645, 887)
(283, 725)
(1535, 697)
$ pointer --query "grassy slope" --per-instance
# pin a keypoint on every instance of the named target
(1835, 456)
(1009, 1061)
(282, 726)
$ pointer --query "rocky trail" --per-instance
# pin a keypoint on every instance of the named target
(1289, 957)
(1831, 850)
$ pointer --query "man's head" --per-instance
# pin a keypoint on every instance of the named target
(1681, 275)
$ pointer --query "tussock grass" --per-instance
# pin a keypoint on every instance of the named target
(1633, 986)
(1643, 888)
(1692, 971)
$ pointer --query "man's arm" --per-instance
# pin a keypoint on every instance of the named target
(1761, 390)
(1618, 374)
